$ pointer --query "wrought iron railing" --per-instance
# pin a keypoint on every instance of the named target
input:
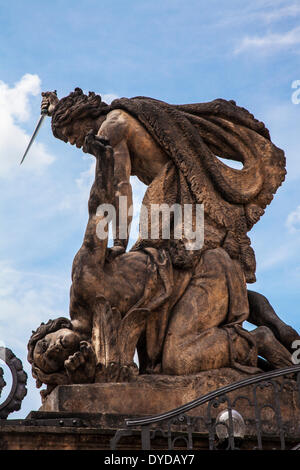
(265, 415)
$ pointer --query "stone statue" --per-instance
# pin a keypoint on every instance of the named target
(182, 309)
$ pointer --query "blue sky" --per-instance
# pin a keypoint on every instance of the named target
(180, 51)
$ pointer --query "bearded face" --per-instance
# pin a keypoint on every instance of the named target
(75, 132)
(51, 351)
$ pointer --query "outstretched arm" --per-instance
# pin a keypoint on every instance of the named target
(102, 192)
(87, 269)
(90, 259)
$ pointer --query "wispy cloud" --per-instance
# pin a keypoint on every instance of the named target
(287, 11)
(271, 42)
(258, 12)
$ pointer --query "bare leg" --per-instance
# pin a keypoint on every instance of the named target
(270, 348)
(194, 340)
(263, 314)
(204, 351)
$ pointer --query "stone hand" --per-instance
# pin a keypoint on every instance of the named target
(116, 372)
(81, 365)
(94, 145)
(49, 101)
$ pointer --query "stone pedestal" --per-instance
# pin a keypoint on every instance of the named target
(147, 395)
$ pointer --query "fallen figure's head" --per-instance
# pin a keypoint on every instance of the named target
(58, 355)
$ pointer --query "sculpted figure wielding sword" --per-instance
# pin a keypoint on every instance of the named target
(173, 149)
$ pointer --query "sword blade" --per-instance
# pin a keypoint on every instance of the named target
(37, 128)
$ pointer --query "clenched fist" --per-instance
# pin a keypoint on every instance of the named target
(81, 366)
(49, 102)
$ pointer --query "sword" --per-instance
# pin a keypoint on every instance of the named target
(37, 128)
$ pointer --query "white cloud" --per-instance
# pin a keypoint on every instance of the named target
(14, 110)
(16, 100)
(271, 42)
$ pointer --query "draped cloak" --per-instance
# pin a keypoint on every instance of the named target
(216, 286)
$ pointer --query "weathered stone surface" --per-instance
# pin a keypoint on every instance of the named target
(147, 395)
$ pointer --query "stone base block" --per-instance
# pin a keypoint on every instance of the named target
(147, 395)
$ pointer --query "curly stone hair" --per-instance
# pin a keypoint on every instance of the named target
(76, 106)
(41, 377)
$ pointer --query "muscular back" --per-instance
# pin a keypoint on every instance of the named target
(133, 147)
